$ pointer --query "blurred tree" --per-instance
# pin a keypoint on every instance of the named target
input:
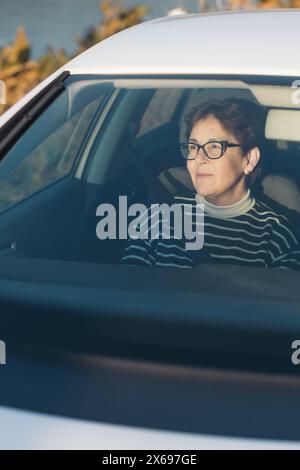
(51, 61)
(20, 73)
(18, 52)
(17, 71)
(261, 4)
(202, 5)
(115, 19)
(240, 4)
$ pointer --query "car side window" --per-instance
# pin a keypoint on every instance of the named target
(48, 149)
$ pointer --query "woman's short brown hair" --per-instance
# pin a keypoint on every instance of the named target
(243, 118)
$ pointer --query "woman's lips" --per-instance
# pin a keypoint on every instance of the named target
(201, 175)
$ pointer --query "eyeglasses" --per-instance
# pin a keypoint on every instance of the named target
(213, 149)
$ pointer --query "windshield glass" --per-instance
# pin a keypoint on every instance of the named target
(157, 173)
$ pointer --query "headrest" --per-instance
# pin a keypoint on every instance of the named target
(283, 190)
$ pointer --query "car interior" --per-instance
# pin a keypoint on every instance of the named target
(152, 169)
(130, 147)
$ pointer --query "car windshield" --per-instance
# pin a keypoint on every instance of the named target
(157, 172)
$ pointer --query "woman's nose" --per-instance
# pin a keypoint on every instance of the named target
(201, 157)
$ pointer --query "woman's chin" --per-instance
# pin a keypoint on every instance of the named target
(204, 192)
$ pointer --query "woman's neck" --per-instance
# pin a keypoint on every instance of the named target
(240, 207)
(232, 195)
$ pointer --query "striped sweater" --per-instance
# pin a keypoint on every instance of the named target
(259, 237)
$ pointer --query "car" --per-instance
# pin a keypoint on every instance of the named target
(98, 354)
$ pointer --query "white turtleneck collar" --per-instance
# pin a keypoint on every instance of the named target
(229, 211)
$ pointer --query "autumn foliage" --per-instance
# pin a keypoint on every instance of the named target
(20, 73)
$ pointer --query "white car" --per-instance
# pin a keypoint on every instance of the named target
(96, 354)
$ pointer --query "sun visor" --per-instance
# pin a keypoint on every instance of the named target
(283, 124)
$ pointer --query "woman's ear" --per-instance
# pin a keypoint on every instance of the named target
(251, 160)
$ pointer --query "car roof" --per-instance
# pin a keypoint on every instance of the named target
(259, 42)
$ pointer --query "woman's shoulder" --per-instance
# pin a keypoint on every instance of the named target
(271, 211)
(279, 219)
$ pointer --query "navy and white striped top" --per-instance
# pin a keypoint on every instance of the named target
(258, 237)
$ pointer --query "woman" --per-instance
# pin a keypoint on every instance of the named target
(223, 150)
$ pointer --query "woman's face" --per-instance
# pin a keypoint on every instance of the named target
(220, 181)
